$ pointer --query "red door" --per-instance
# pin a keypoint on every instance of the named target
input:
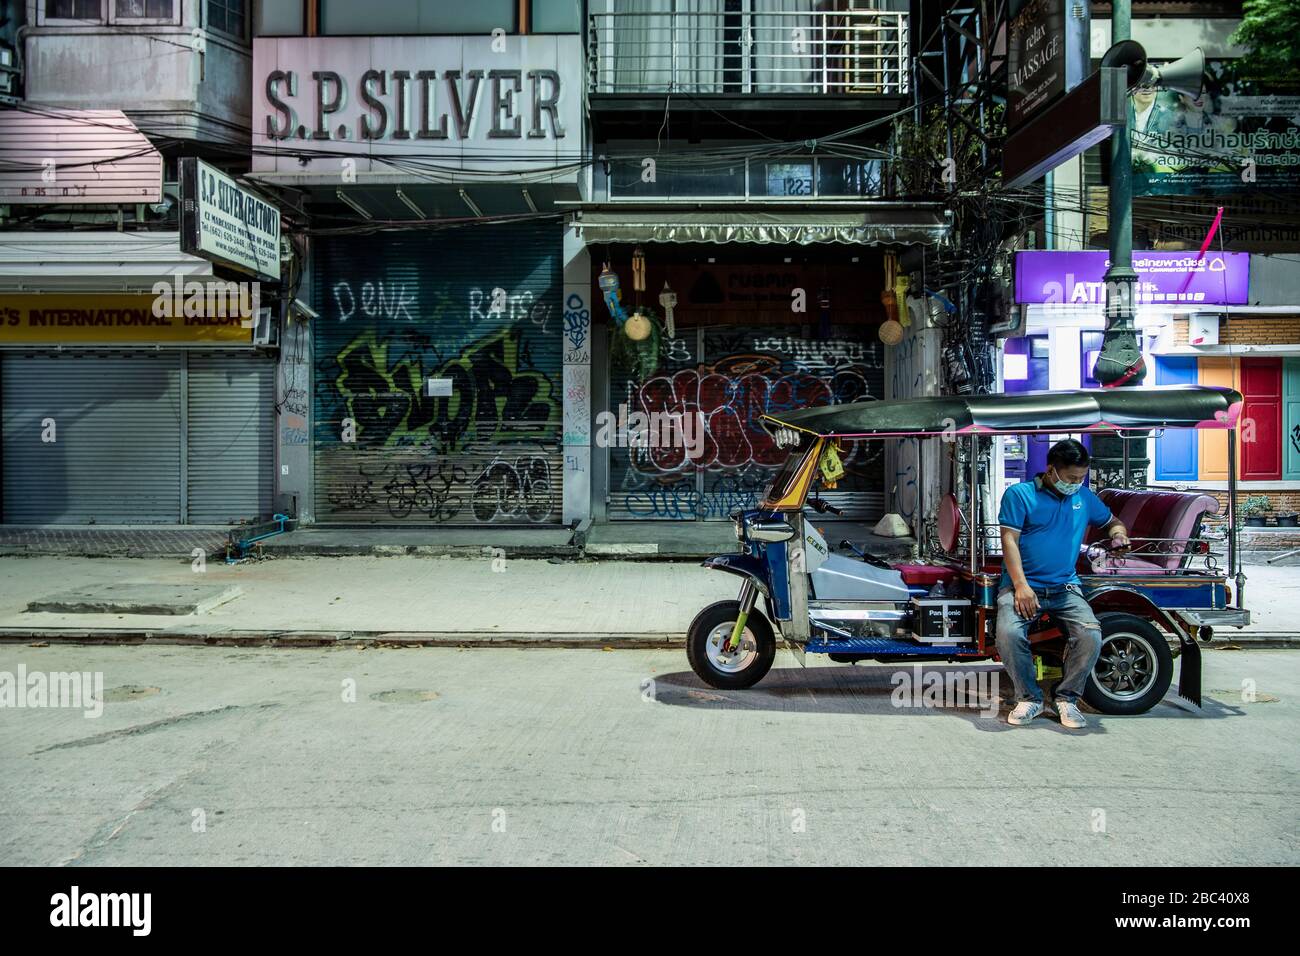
(1261, 427)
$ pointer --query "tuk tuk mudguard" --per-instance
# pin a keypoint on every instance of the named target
(1113, 598)
(745, 566)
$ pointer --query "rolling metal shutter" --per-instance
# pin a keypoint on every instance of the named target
(230, 445)
(732, 376)
(478, 309)
(117, 454)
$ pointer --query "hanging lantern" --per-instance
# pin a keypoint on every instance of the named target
(891, 332)
(668, 299)
(638, 270)
(637, 327)
(609, 287)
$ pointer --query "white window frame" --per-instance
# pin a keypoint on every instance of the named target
(248, 22)
(173, 20)
(47, 21)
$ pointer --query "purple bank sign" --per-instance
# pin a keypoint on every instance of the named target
(1164, 278)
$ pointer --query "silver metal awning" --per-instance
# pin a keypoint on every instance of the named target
(100, 261)
(901, 224)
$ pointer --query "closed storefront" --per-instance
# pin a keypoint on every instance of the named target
(756, 331)
(438, 377)
(728, 377)
(137, 437)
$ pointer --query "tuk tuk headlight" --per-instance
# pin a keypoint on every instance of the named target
(785, 437)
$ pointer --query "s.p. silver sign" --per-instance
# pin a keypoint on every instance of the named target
(491, 104)
(224, 222)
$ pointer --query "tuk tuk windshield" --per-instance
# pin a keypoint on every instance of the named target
(794, 470)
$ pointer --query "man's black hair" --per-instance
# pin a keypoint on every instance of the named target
(1067, 453)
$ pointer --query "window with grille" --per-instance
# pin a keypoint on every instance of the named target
(142, 9)
(73, 10)
(228, 16)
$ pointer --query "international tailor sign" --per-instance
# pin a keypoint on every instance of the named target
(482, 103)
(93, 318)
(1164, 278)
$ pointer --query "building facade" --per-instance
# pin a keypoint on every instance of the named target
(132, 390)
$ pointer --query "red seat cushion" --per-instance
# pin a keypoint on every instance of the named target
(925, 575)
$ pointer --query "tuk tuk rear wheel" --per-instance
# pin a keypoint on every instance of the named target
(705, 647)
(1134, 669)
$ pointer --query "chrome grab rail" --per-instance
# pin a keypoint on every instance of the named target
(819, 52)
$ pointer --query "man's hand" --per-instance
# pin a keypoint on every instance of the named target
(1119, 543)
(1026, 602)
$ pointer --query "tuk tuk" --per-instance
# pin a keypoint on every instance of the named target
(1171, 589)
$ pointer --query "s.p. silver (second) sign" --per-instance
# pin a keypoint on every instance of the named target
(226, 223)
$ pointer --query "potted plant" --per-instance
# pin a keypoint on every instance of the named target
(1254, 508)
(1287, 519)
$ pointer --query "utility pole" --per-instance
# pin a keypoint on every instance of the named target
(1120, 362)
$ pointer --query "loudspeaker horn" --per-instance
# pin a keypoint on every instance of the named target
(1185, 75)
(1131, 56)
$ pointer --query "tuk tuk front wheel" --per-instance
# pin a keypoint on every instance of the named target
(707, 639)
(1134, 669)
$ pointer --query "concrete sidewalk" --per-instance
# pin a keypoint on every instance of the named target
(618, 540)
(406, 599)
(400, 599)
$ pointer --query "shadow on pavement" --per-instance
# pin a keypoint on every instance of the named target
(894, 692)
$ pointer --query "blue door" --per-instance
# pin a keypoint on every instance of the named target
(1176, 448)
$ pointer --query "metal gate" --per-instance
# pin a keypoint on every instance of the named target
(438, 371)
(730, 376)
(230, 442)
(92, 438)
(137, 438)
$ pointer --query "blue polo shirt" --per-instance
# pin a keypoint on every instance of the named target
(1051, 530)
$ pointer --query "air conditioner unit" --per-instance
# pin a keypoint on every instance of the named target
(8, 75)
(1203, 328)
(266, 331)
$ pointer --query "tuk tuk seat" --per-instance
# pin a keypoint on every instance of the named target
(1160, 524)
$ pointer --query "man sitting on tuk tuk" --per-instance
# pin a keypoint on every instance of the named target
(1043, 522)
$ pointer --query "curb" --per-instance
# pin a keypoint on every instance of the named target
(421, 550)
(284, 638)
(316, 639)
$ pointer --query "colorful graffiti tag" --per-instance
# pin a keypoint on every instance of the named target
(731, 394)
(438, 361)
(494, 394)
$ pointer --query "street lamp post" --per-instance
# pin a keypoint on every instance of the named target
(1120, 361)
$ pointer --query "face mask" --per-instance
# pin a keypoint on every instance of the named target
(1067, 488)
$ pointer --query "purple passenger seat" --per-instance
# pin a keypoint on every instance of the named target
(1160, 524)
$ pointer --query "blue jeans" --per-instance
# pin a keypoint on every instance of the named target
(1082, 642)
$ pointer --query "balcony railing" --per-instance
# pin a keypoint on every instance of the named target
(847, 52)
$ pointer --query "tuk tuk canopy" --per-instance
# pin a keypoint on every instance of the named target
(1077, 410)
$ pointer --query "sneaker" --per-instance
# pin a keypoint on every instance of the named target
(1070, 714)
(1024, 712)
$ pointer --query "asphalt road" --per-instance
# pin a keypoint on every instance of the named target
(208, 756)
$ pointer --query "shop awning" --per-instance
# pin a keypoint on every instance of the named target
(883, 224)
(105, 260)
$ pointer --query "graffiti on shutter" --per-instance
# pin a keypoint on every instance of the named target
(484, 445)
(730, 377)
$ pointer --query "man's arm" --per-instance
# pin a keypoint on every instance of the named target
(1118, 535)
(1026, 600)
